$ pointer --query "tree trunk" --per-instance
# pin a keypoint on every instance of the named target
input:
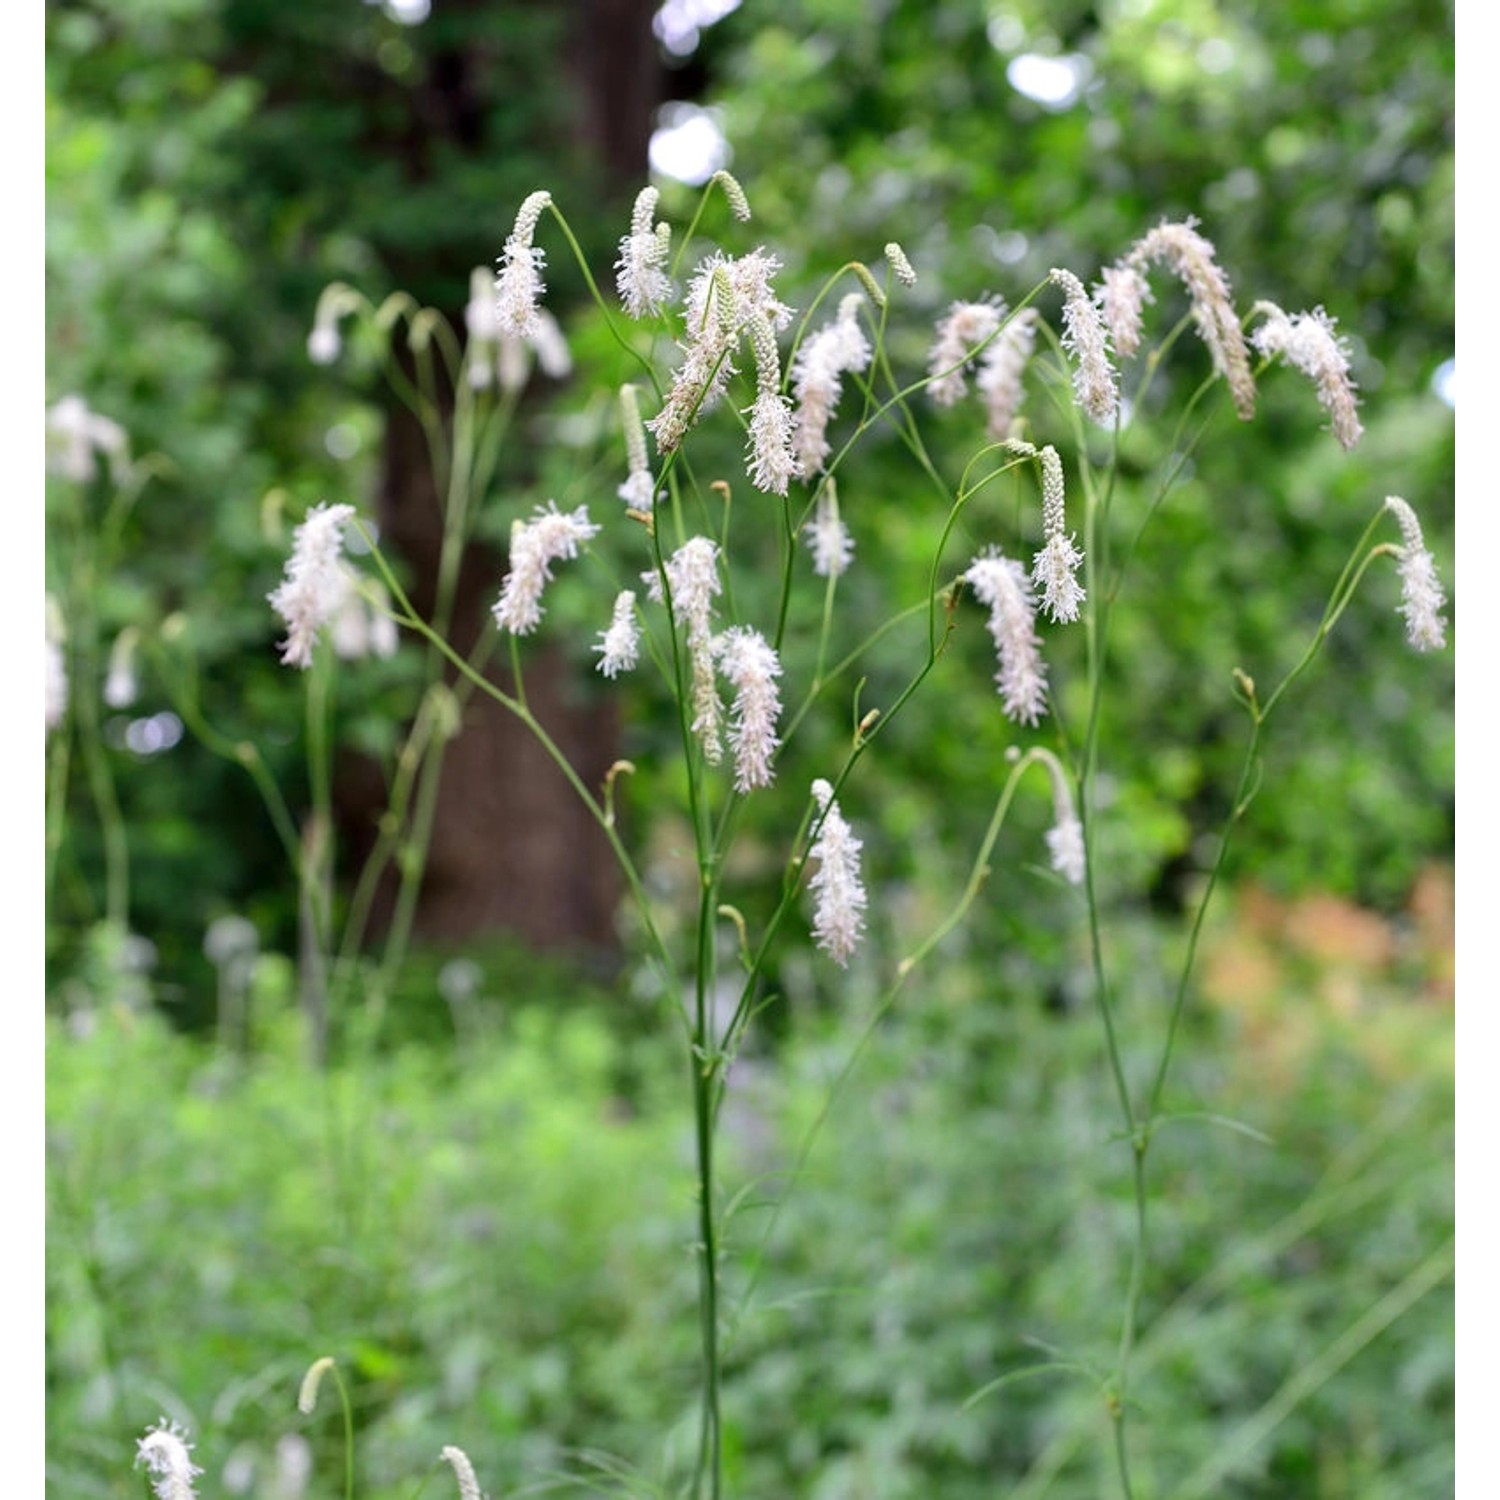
(512, 848)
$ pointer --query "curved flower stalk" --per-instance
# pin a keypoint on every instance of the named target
(900, 265)
(1121, 296)
(325, 343)
(773, 464)
(693, 581)
(1309, 341)
(1065, 837)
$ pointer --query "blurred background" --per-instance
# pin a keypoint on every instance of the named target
(491, 1236)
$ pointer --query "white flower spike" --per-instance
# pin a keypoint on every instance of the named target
(314, 587)
(838, 919)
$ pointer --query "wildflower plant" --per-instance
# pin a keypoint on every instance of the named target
(715, 589)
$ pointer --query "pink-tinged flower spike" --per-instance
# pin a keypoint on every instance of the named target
(1190, 258)
(619, 646)
(463, 1472)
(748, 661)
(837, 348)
(1422, 596)
(642, 283)
(167, 1456)
(1085, 338)
(1121, 298)
(519, 286)
(1065, 837)
(965, 326)
(1310, 342)
(828, 538)
(1054, 569)
(723, 296)
(1001, 583)
(1002, 368)
(772, 463)
(639, 489)
(693, 579)
(314, 586)
(534, 546)
(838, 919)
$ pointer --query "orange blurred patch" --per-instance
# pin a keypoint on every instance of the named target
(1298, 974)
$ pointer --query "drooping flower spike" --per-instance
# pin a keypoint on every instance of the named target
(1001, 583)
(1190, 258)
(1422, 597)
(1309, 341)
(551, 536)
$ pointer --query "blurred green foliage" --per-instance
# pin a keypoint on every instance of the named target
(1317, 153)
(492, 1243)
(201, 193)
